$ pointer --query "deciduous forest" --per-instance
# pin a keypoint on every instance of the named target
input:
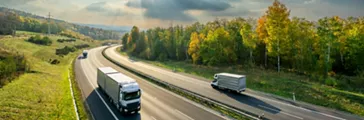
(328, 48)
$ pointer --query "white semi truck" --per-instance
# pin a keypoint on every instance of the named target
(123, 91)
(231, 82)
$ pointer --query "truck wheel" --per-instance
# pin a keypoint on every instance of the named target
(122, 111)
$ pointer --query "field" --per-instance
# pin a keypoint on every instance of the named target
(42, 93)
(281, 84)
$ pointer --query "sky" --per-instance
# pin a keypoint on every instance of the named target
(163, 13)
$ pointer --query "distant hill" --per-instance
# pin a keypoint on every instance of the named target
(36, 23)
(122, 29)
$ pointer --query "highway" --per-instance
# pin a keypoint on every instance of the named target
(157, 103)
(254, 102)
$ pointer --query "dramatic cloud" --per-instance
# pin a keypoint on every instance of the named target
(104, 8)
(151, 13)
(175, 9)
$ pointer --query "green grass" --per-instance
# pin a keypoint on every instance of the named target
(281, 84)
(43, 93)
(26, 33)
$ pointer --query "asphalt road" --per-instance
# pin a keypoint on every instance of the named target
(255, 102)
(157, 103)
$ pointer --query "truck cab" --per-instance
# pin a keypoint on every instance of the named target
(129, 98)
(84, 53)
(124, 92)
(214, 82)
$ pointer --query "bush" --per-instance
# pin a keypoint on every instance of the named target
(65, 50)
(330, 81)
(40, 41)
(66, 40)
(81, 46)
(10, 67)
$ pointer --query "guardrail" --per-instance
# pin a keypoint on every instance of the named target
(233, 111)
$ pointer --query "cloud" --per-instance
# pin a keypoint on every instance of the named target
(176, 9)
(98, 7)
(104, 8)
(7, 3)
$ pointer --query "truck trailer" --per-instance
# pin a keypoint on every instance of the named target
(123, 91)
(231, 82)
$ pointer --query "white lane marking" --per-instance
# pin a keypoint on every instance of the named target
(183, 114)
(73, 97)
(107, 106)
(297, 107)
(153, 118)
(280, 112)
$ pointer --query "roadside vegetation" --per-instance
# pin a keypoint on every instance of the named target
(40, 40)
(320, 61)
(12, 65)
(42, 92)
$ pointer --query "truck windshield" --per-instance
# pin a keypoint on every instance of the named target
(132, 95)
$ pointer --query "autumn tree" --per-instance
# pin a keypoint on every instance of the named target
(262, 34)
(249, 36)
(194, 47)
(124, 40)
(277, 28)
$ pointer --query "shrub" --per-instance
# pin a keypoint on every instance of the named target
(10, 67)
(65, 50)
(81, 46)
(40, 41)
(330, 81)
(66, 40)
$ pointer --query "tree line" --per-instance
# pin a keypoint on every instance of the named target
(329, 46)
(12, 20)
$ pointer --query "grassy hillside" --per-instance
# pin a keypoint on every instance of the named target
(281, 84)
(44, 92)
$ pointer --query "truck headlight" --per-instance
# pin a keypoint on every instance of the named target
(125, 110)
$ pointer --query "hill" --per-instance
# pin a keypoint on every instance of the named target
(122, 29)
(11, 20)
(43, 91)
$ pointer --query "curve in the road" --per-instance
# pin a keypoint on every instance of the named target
(271, 107)
(157, 103)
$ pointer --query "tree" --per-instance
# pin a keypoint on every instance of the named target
(233, 27)
(249, 37)
(329, 31)
(262, 33)
(215, 49)
(124, 40)
(132, 39)
(194, 47)
(277, 29)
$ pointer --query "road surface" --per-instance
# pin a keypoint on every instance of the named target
(257, 103)
(157, 103)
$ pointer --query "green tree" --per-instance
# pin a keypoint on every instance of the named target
(277, 28)
(124, 40)
(249, 37)
(329, 30)
(215, 49)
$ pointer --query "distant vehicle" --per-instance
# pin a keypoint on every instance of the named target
(123, 91)
(84, 53)
(231, 82)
